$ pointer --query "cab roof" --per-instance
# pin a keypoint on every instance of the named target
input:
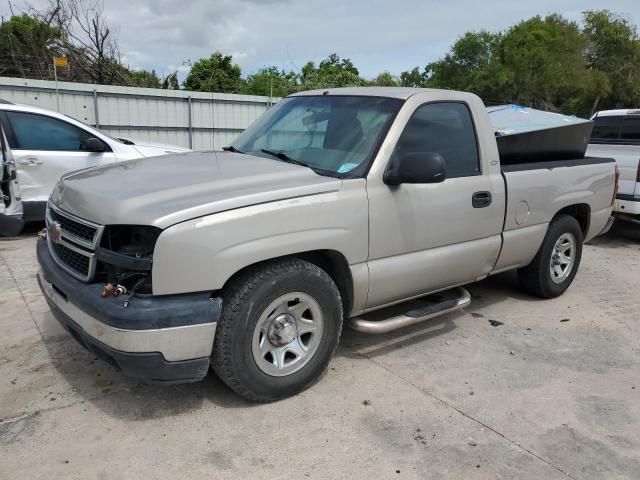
(390, 92)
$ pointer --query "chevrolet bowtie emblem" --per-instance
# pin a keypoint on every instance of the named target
(54, 231)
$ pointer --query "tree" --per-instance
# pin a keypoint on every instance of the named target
(385, 79)
(613, 48)
(332, 72)
(144, 78)
(27, 47)
(88, 40)
(217, 73)
(170, 82)
(270, 81)
(413, 78)
(470, 65)
(546, 67)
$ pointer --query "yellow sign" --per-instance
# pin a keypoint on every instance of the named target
(61, 62)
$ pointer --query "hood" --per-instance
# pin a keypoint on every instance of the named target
(166, 190)
(152, 149)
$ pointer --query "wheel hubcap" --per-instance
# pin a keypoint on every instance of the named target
(287, 334)
(562, 258)
(282, 330)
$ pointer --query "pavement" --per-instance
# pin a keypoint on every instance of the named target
(551, 392)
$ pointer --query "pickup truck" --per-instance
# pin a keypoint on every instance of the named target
(616, 134)
(336, 205)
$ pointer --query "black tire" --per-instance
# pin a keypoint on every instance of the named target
(244, 302)
(536, 277)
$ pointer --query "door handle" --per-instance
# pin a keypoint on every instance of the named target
(31, 161)
(481, 199)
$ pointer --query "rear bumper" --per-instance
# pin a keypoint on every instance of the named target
(165, 339)
(627, 205)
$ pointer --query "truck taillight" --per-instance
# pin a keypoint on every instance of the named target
(615, 188)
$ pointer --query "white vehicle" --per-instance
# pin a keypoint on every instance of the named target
(48, 144)
(10, 204)
(616, 134)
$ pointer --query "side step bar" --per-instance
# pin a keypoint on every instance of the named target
(412, 316)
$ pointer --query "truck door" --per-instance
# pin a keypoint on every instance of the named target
(425, 237)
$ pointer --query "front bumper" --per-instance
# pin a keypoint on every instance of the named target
(165, 339)
(10, 225)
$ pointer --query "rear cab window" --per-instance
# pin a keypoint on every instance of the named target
(616, 129)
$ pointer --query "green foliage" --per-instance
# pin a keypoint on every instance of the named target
(144, 78)
(613, 48)
(414, 78)
(27, 46)
(545, 62)
(272, 82)
(217, 73)
(385, 79)
(332, 72)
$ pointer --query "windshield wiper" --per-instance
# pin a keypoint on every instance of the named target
(232, 149)
(284, 157)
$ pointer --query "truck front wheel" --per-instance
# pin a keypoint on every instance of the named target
(280, 325)
(555, 265)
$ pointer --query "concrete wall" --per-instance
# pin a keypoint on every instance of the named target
(202, 121)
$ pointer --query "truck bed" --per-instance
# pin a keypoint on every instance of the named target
(551, 164)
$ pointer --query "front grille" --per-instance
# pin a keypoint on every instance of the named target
(72, 227)
(72, 242)
(79, 263)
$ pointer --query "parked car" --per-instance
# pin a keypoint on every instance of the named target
(616, 134)
(47, 145)
(334, 204)
(10, 202)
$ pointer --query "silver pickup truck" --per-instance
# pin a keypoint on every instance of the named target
(333, 206)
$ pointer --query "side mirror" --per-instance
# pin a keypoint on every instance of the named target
(418, 167)
(93, 144)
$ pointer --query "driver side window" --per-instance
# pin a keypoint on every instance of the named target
(445, 128)
(38, 132)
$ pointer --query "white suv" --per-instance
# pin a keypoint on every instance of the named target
(48, 144)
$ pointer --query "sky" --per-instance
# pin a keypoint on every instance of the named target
(378, 35)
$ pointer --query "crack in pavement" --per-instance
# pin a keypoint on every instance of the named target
(462, 412)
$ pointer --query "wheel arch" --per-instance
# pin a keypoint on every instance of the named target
(581, 212)
(333, 262)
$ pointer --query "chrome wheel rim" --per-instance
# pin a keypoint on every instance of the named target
(287, 334)
(562, 258)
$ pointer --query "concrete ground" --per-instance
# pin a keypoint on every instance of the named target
(552, 392)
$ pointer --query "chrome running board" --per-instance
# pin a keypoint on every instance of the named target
(413, 316)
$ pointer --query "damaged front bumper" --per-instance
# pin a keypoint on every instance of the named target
(164, 339)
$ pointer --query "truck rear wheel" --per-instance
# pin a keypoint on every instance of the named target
(280, 326)
(556, 263)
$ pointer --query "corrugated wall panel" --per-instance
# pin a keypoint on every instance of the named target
(145, 113)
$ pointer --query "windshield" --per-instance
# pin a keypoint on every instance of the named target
(334, 135)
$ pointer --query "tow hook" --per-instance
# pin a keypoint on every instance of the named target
(42, 234)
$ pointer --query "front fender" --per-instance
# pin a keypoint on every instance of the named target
(203, 253)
